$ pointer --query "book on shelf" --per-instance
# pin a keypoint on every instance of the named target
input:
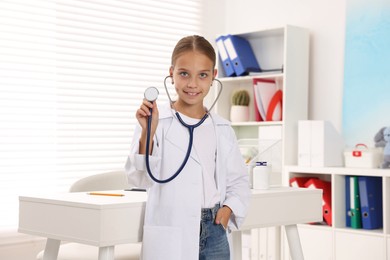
(370, 189)
(352, 204)
(241, 54)
(364, 208)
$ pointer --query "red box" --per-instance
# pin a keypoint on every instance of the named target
(300, 181)
(326, 188)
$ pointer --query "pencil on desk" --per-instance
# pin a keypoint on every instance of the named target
(105, 194)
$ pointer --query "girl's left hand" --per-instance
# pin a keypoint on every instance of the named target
(223, 216)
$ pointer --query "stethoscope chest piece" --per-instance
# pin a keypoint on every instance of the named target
(151, 94)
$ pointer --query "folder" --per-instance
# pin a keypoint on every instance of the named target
(370, 190)
(258, 117)
(325, 186)
(268, 99)
(327, 144)
(225, 60)
(353, 212)
(269, 147)
(304, 142)
(319, 144)
(258, 101)
(274, 108)
(241, 54)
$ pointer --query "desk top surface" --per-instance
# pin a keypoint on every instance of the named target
(86, 200)
(135, 198)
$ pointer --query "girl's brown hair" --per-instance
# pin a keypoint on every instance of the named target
(193, 43)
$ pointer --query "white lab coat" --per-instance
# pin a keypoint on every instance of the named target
(172, 216)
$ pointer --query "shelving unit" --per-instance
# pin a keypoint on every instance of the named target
(339, 242)
(287, 47)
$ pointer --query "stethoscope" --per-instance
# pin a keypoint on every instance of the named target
(151, 95)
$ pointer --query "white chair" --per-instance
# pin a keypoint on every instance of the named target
(115, 180)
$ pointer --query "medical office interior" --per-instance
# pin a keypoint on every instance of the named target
(345, 93)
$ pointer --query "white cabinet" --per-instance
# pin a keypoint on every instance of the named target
(319, 236)
(352, 245)
(287, 47)
(342, 242)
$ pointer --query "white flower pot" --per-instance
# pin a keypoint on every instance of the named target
(239, 113)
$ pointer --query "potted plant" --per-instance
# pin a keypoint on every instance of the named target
(239, 110)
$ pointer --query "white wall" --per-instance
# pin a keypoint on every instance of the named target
(326, 22)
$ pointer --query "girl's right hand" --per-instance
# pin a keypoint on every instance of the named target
(142, 115)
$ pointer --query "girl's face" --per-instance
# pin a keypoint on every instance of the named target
(192, 73)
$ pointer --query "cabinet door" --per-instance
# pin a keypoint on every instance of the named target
(316, 242)
(388, 249)
(265, 243)
(350, 245)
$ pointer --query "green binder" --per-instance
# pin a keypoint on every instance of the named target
(355, 213)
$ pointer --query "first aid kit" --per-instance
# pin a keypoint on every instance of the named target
(361, 156)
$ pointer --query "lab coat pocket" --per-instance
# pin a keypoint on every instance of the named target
(162, 242)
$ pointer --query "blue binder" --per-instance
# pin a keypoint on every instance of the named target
(223, 55)
(370, 189)
(241, 54)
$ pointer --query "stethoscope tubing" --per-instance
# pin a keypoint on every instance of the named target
(190, 141)
(189, 148)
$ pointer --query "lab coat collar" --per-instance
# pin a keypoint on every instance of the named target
(165, 111)
(175, 129)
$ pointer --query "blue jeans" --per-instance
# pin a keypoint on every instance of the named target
(213, 242)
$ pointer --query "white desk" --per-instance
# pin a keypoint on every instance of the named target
(106, 221)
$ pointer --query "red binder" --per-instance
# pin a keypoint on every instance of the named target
(325, 186)
(268, 100)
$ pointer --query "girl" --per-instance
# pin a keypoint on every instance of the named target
(189, 217)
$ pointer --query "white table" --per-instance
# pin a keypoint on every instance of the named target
(106, 221)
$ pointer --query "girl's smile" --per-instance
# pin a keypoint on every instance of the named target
(192, 73)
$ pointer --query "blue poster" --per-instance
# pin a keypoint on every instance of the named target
(366, 97)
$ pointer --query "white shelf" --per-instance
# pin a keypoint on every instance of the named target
(249, 78)
(338, 171)
(254, 123)
(368, 244)
(275, 48)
